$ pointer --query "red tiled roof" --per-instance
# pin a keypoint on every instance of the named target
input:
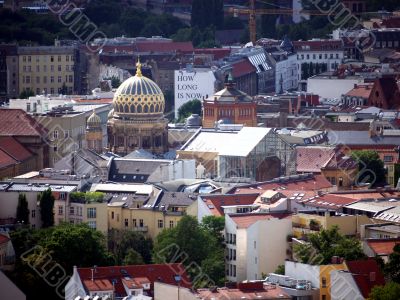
(312, 159)
(393, 22)
(3, 239)
(368, 194)
(164, 47)
(215, 202)
(366, 274)
(242, 68)
(98, 285)
(312, 183)
(158, 272)
(6, 160)
(317, 45)
(118, 48)
(13, 148)
(328, 201)
(218, 53)
(246, 220)
(16, 122)
(361, 90)
(383, 246)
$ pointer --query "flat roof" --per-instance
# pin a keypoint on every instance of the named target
(144, 189)
(227, 143)
(32, 187)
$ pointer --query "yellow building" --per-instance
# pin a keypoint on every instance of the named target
(94, 133)
(47, 69)
(304, 223)
(143, 207)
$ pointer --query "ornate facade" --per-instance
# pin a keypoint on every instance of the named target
(94, 133)
(137, 120)
(230, 105)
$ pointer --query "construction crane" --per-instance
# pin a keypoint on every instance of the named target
(252, 12)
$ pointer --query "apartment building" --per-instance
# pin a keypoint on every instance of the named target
(47, 69)
(255, 244)
(143, 207)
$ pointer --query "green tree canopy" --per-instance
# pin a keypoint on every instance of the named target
(327, 243)
(121, 241)
(390, 291)
(46, 200)
(193, 245)
(22, 209)
(207, 13)
(190, 107)
(87, 197)
(392, 268)
(370, 166)
(132, 257)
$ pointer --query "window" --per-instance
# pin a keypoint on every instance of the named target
(160, 224)
(28, 79)
(44, 68)
(92, 224)
(323, 282)
(234, 271)
(52, 68)
(255, 245)
(126, 223)
(62, 196)
(59, 58)
(70, 78)
(323, 297)
(141, 222)
(255, 260)
(37, 79)
(60, 210)
(51, 79)
(71, 210)
(59, 79)
(55, 134)
(37, 68)
(52, 58)
(112, 215)
(24, 58)
(91, 212)
(44, 79)
(29, 58)
(59, 68)
(387, 158)
(33, 213)
(134, 223)
(171, 224)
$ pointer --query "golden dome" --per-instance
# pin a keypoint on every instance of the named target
(93, 120)
(110, 113)
(138, 95)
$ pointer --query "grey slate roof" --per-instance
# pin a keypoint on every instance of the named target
(360, 138)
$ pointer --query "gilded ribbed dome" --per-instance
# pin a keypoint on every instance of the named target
(138, 95)
(93, 120)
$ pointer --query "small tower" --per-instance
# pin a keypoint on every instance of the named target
(94, 133)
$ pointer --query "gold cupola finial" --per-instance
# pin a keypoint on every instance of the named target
(138, 68)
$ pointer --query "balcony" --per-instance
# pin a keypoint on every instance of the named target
(141, 228)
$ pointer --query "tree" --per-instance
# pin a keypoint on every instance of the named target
(121, 241)
(390, 291)
(115, 82)
(132, 258)
(392, 268)
(22, 210)
(65, 245)
(327, 243)
(46, 200)
(370, 166)
(197, 248)
(214, 225)
(190, 107)
(280, 270)
(25, 94)
(206, 13)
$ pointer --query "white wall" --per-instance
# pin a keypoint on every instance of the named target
(197, 84)
(288, 69)
(331, 88)
(303, 272)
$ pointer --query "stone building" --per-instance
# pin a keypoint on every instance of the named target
(94, 133)
(137, 121)
(230, 105)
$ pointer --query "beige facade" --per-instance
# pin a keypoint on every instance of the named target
(312, 223)
(149, 222)
(47, 69)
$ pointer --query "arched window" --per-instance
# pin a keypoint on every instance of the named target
(151, 108)
(133, 110)
(146, 108)
(139, 108)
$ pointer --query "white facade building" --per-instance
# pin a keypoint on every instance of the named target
(328, 86)
(256, 244)
(286, 77)
(192, 83)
